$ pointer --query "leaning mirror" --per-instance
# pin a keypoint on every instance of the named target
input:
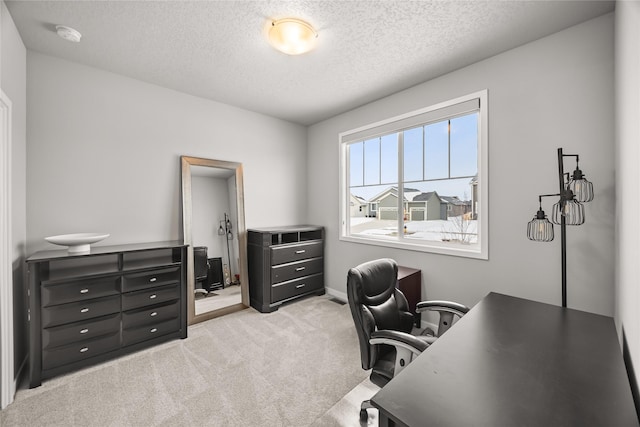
(213, 227)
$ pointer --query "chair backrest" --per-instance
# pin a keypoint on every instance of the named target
(376, 304)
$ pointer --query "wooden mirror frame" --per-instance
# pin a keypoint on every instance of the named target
(187, 218)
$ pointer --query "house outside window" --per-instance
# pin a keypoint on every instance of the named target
(374, 210)
(423, 176)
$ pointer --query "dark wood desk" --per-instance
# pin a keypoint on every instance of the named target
(515, 362)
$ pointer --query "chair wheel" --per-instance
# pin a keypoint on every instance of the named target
(363, 415)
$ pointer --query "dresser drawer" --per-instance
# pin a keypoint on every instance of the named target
(155, 314)
(152, 296)
(295, 287)
(79, 331)
(289, 253)
(283, 272)
(147, 332)
(77, 311)
(80, 350)
(80, 290)
(150, 278)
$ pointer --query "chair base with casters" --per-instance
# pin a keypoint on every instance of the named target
(383, 321)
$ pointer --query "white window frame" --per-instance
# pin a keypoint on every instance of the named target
(440, 111)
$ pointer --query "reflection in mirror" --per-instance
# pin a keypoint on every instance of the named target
(213, 226)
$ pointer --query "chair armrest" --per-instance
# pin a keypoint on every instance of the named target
(399, 339)
(443, 306)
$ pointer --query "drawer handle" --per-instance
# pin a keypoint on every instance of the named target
(84, 331)
(84, 291)
(300, 268)
(154, 296)
(83, 349)
(301, 251)
(84, 310)
(154, 330)
(153, 279)
(154, 313)
(302, 285)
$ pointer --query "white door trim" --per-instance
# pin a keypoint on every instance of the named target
(7, 377)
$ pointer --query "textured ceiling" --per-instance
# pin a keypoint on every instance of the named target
(217, 49)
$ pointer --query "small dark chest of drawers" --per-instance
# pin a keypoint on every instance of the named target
(285, 263)
(88, 308)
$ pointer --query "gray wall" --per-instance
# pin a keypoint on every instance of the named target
(13, 82)
(104, 155)
(554, 92)
(628, 178)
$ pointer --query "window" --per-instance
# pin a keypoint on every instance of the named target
(421, 179)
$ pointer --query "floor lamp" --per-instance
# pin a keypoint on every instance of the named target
(574, 191)
(226, 230)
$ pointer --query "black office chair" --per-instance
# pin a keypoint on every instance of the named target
(383, 321)
(201, 270)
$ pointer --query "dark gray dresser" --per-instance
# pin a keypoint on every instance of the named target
(285, 263)
(88, 308)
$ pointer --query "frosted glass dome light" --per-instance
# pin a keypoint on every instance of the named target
(292, 36)
(68, 33)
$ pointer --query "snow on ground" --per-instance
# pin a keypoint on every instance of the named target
(453, 229)
(357, 220)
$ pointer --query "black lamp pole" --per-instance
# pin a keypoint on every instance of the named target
(563, 230)
(226, 236)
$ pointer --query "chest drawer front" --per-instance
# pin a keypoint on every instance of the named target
(80, 350)
(78, 311)
(283, 272)
(79, 331)
(80, 290)
(295, 287)
(147, 332)
(148, 315)
(152, 296)
(289, 253)
(150, 278)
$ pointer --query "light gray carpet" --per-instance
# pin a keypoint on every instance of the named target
(287, 368)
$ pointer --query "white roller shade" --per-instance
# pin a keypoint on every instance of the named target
(417, 118)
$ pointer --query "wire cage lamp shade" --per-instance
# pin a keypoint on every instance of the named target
(226, 229)
(581, 188)
(571, 210)
(540, 229)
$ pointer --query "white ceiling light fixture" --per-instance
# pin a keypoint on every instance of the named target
(68, 33)
(292, 36)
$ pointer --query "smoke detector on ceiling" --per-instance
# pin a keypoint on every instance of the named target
(68, 33)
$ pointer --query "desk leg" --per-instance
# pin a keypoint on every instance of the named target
(384, 421)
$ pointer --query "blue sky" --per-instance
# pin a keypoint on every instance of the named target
(374, 163)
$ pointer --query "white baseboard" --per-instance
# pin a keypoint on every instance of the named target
(337, 294)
